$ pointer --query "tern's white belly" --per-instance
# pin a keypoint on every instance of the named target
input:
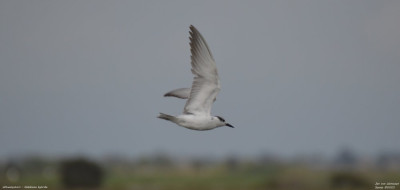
(196, 122)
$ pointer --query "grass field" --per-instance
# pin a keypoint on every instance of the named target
(219, 177)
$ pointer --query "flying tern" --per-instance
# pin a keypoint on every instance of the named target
(205, 87)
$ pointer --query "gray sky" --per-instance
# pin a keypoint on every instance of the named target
(297, 77)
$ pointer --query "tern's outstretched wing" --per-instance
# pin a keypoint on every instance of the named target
(183, 93)
(205, 85)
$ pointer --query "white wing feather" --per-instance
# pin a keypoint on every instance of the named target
(205, 86)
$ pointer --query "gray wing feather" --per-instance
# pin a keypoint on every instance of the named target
(183, 93)
(206, 85)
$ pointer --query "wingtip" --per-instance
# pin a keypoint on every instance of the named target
(192, 28)
(168, 94)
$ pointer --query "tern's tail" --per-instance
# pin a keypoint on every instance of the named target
(167, 117)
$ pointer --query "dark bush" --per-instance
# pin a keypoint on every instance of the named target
(344, 179)
(81, 173)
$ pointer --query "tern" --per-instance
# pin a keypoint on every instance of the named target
(205, 87)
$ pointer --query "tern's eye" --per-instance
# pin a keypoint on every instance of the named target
(220, 118)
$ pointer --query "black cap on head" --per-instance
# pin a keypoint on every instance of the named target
(220, 118)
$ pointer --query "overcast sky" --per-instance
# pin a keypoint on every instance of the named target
(298, 77)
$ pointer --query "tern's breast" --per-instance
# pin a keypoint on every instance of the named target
(196, 122)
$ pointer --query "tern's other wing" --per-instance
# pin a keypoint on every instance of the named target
(183, 93)
(205, 85)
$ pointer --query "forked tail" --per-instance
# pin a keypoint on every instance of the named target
(166, 117)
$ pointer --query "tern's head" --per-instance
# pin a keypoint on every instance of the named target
(223, 122)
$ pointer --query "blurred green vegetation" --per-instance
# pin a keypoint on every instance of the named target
(162, 174)
(81, 173)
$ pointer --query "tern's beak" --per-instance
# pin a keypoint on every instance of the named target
(229, 125)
